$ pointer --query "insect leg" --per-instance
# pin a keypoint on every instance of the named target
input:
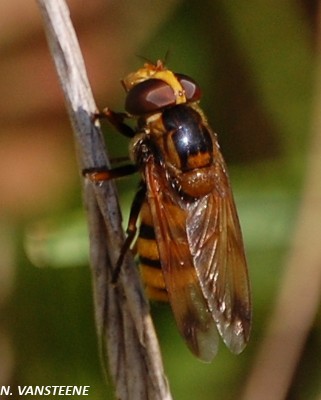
(131, 227)
(117, 120)
(104, 174)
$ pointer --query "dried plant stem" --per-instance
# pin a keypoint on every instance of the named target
(127, 339)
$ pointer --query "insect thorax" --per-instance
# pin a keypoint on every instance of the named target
(179, 141)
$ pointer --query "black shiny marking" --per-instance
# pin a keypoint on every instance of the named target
(146, 232)
(190, 136)
(149, 262)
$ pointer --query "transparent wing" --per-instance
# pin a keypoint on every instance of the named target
(192, 314)
(203, 261)
(216, 246)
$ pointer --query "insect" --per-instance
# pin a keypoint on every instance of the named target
(189, 242)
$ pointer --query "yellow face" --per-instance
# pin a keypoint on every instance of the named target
(156, 71)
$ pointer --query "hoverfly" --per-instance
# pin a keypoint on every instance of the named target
(190, 242)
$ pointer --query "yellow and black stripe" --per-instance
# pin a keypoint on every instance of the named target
(149, 261)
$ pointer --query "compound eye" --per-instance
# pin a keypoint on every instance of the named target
(191, 88)
(149, 96)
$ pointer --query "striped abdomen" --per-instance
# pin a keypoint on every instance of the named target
(150, 265)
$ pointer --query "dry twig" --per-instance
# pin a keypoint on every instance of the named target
(125, 330)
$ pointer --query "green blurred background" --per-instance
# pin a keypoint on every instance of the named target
(255, 63)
